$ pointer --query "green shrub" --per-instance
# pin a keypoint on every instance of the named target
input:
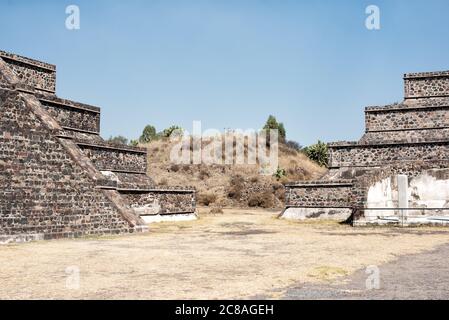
(148, 134)
(318, 153)
(279, 174)
(166, 133)
(273, 124)
(293, 145)
(118, 140)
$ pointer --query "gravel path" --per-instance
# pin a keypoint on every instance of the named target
(417, 276)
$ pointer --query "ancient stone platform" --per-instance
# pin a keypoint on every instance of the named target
(410, 139)
(58, 177)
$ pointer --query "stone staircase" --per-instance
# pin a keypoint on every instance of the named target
(409, 138)
(59, 177)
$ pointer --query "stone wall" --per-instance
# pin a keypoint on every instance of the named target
(409, 138)
(402, 117)
(426, 84)
(319, 194)
(59, 178)
(71, 116)
(130, 181)
(36, 74)
(115, 158)
(405, 136)
(435, 101)
(44, 191)
(353, 154)
(161, 201)
(428, 192)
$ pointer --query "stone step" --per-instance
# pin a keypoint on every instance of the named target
(115, 158)
(82, 136)
(36, 75)
(71, 115)
(19, 235)
(426, 84)
(320, 193)
(129, 181)
(401, 122)
(356, 154)
(405, 136)
(161, 200)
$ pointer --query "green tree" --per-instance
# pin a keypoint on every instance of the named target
(272, 123)
(134, 143)
(293, 145)
(166, 133)
(118, 140)
(318, 153)
(148, 134)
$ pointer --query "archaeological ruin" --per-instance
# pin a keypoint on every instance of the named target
(397, 173)
(58, 177)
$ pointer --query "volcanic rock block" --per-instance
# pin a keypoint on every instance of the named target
(58, 177)
(409, 138)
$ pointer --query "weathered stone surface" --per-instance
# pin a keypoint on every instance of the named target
(36, 74)
(51, 155)
(73, 116)
(130, 181)
(406, 118)
(325, 194)
(44, 191)
(303, 213)
(426, 84)
(161, 201)
(428, 193)
(108, 157)
(347, 155)
(409, 138)
(405, 136)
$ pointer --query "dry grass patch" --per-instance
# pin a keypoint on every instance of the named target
(233, 185)
(238, 254)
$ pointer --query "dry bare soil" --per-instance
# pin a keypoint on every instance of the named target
(237, 185)
(238, 254)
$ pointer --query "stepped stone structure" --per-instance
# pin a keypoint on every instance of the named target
(398, 172)
(58, 177)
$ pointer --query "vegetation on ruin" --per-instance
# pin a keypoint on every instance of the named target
(118, 140)
(318, 153)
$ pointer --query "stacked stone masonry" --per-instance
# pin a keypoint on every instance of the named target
(426, 84)
(115, 158)
(405, 118)
(164, 201)
(336, 194)
(43, 190)
(409, 138)
(73, 116)
(347, 155)
(59, 178)
(38, 75)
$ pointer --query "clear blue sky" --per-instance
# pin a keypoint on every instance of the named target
(230, 64)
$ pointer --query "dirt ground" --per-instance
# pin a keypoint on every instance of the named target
(238, 254)
(215, 180)
(418, 276)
